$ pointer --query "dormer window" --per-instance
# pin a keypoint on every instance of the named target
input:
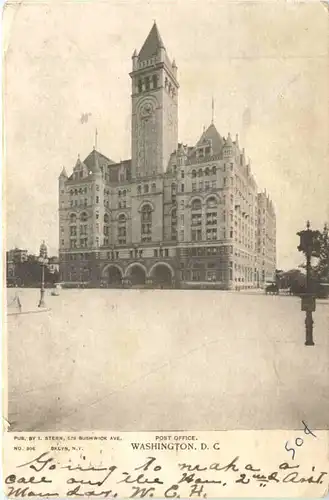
(200, 152)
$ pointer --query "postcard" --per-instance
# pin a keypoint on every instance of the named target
(167, 255)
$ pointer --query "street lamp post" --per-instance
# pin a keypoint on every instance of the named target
(310, 246)
(43, 254)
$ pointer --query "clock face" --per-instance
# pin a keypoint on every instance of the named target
(147, 110)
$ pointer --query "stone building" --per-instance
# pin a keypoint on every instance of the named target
(173, 214)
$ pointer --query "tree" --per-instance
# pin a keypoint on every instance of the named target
(321, 270)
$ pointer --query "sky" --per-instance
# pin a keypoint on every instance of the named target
(265, 64)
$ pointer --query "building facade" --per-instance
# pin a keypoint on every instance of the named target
(173, 215)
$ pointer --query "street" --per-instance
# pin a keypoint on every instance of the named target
(166, 360)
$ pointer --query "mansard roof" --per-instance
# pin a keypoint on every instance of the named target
(151, 45)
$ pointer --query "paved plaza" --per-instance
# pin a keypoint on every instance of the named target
(170, 360)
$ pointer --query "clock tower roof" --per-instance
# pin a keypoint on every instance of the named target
(152, 44)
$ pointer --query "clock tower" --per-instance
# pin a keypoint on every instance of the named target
(154, 107)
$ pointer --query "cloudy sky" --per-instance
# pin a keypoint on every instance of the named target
(265, 63)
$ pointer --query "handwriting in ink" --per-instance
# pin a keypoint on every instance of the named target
(14, 492)
(299, 441)
(40, 461)
(140, 479)
(104, 494)
(73, 480)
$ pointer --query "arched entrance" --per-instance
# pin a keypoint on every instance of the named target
(162, 275)
(112, 276)
(136, 275)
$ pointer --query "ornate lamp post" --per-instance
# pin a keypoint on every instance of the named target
(43, 259)
(310, 246)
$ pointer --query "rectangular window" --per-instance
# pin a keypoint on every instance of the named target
(182, 174)
(62, 243)
(166, 252)
(193, 187)
(196, 235)
(97, 199)
(155, 253)
(195, 275)
(182, 188)
(196, 220)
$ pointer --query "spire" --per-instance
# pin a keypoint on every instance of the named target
(152, 44)
(63, 173)
(237, 140)
(78, 161)
(174, 65)
(229, 142)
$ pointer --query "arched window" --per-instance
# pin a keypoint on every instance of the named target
(207, 171)
(146, 223)
(106, 218)
(196, 220)
(200, 173)
(196, 204)
(84, 217)
(119, 193)
(214, 170)
(139, 189)
(211, 202)
(146, 188)
(73, 218)
(153, 187)
(124, 193)
(122, 229)
(193, 173)
(71, 192)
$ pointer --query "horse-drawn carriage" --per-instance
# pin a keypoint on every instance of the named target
(271, 289)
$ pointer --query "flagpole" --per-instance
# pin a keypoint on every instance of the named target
(212, 110)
